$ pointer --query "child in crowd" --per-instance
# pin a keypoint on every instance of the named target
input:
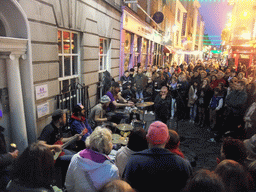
(215, 105)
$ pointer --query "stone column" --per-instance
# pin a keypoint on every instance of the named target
(194, 28)
(17, 116)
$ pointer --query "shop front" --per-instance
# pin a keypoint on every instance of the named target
(139, 43)
(243, 54)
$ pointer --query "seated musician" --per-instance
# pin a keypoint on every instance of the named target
(53, 131)
(98, 113)
(117, 101)
(51, 134)
(79, 125)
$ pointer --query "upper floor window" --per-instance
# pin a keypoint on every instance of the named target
(68, 51)
(178, 15)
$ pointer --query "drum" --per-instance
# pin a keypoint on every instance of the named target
(138, 124)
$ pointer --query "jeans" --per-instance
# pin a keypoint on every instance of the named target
(173, 107)
(139, 95)
(193, 111)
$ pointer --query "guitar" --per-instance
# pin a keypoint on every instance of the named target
(67, 143)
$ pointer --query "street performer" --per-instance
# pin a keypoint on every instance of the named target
(51, 134)
(117, 101)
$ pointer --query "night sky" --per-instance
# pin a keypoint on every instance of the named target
(214, 14)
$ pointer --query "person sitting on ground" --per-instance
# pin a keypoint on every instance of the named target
(117, 186)
(234, 176)
(174, 143)
(137, 142)
(91, 168)
(79, 125)
(97, 116)
(162, 105)
(53, 131)
(156, 168)
(52, 137)
(204, 180)
(34, 170)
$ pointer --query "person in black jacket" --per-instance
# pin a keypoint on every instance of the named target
(182, 97)
(162, 105)
(6, 159)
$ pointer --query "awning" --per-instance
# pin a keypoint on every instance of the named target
(168, 50)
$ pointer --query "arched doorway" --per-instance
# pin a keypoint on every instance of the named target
(16, 66)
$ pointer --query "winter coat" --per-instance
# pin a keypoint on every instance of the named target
(140, 81)
(89, 171)
(78, 125)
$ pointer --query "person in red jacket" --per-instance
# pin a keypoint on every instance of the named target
(174, 143)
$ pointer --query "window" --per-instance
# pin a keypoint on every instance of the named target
(68, 59)
(183, 33)
(178, 15)
(137, 50)
(144, 53)
(103, 54)
(177, 38)
(127, 50)
(104, 63)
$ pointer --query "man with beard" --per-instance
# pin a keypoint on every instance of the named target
(52, 137)
(98, 112)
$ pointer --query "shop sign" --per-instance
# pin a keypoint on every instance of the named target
(243, 56)
(41, 91)
(42, 110)
(132, 24)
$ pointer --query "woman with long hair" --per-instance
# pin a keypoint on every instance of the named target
(34, 169)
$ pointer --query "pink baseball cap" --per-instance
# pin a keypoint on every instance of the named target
(157, 133)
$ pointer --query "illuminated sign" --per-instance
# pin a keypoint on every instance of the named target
(243, 56)
(134, 25)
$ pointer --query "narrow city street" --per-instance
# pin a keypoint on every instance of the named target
(194, 144)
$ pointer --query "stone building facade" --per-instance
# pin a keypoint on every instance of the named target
(61, 42)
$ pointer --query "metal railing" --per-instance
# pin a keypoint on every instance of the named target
(76, 93)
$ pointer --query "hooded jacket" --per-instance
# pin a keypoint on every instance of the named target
(89, 171)
(77, 125)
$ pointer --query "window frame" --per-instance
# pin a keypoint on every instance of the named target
(106, 55)
(63, 54)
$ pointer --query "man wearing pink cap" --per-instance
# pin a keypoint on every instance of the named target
(156, 168)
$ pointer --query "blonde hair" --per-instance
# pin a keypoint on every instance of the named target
(100, 140)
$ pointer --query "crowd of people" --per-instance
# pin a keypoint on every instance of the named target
(217, 98)
(209, 94)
